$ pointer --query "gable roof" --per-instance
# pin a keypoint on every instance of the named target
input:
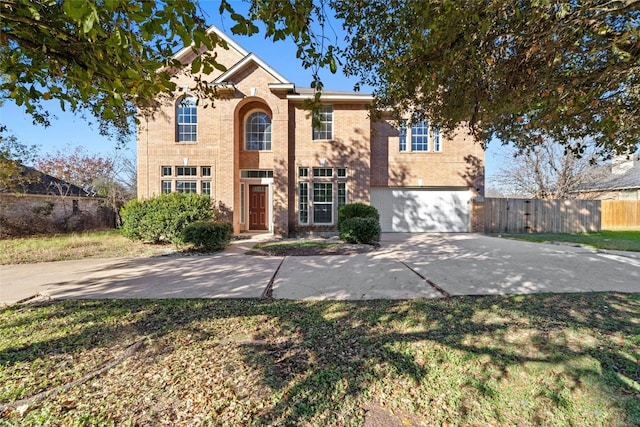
(280, 84)
(221, 35)
(251, 58)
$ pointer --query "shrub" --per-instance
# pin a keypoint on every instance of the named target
(162, 218)
(357, 210)
(208, 235)
(360, 230)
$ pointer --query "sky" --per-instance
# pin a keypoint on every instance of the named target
(68, 131)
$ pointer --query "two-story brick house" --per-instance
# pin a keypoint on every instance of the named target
(258, 154)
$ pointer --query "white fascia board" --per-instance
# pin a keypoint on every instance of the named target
(281, 87)
(354, 97)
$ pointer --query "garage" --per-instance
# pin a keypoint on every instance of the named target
(423, 210)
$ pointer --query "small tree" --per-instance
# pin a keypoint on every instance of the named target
(110, 177)
(548, 171)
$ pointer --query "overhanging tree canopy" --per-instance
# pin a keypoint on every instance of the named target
(519, 70)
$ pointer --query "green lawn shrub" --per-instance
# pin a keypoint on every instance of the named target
(162, 219)
(357, 210)
(359, 223)
(360, 230)
(208, 235)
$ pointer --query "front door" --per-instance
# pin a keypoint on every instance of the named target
(258, 207)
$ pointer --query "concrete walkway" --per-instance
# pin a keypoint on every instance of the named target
(407, 266)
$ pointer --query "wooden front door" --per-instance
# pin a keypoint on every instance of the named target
(258, 207)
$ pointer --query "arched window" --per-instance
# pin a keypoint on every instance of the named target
(257, 131)
(186, 119)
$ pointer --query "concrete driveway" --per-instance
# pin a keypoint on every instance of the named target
(407, 266)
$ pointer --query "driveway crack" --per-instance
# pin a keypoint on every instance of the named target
(429, 282)
(268, 291)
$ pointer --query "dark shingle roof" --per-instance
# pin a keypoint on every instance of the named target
(36, 182)
(625, 181)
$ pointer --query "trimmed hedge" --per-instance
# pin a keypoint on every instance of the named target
(208, 235)
(360, 230)
(357, 210)
(162, 218)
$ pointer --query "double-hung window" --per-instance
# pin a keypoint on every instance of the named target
(303, 203)
(420, 136)
(437, 140)
(402, 136)
(323, 128)
(322, 203)
(186, 120)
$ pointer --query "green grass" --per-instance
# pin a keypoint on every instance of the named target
(628, 240)
(95, 244)
(496, 360)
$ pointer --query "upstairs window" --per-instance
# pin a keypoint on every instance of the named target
(324, 127)
(402, 136)
(437, 140)
(187, 120)
(258, 131)
(420, 136)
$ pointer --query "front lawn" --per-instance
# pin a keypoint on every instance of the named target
(496, 360)
(61, 247)
(627, 240)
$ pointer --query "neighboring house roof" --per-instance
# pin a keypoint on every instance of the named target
(628, 180)
(37, 182)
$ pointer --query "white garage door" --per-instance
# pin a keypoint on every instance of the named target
(418, 210)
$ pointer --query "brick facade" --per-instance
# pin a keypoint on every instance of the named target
(366, 152)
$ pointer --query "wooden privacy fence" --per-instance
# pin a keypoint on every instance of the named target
(617, 214)
(541, 216)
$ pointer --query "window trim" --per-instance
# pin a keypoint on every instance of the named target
(202, 185)
(303, 202)
(346, 195)
(437, 140)
(193, 169)
(402, 136)
(190, 182)
(318, 169)
(322, 133)
(186, 102)
(316, 203)
(421, 138)
(268, 129)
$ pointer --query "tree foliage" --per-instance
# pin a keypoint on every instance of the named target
(14, 155)
(102, 58)
(524, 71)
